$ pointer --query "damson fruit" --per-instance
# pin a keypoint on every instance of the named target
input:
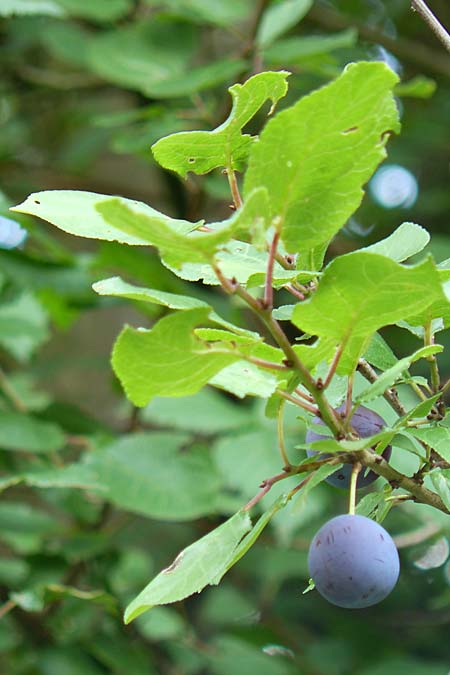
(366, 423)
(353, 562)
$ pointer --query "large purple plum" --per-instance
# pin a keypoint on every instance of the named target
(367, 423)
(353, 562)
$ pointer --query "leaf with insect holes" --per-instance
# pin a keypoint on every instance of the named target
(76, 213)
(202, 563)
(226, 146)
(316, 156)
(365, 292)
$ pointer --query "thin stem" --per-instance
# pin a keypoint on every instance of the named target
(432, 21)
(266, 486)
(415, 387)
(280, 430)
(296, 401)
(422, 494)
(232, 181)
(348, 401)
(262, 363)
(352, 494)
(299, 486)
(294, 291)
(287, 262)
(11, 393)
(302, 394)
(266, 364)
(268, 290)
(333, 366)
(446, 387)
(432, 360)
(327, 413)
(408, 50)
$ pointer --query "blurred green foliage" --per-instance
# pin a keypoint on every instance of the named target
(86, 88)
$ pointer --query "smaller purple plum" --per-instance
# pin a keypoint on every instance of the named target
(366, 423)
(353, 562)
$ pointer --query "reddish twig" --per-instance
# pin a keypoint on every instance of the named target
(268, 291)
(266, 486)
(295, 292)
(296, 401)
(333, 366)
(232, 181)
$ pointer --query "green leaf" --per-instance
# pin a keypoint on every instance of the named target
(115, 286)
(200, 564)
(151, 474)
(76, 213)
(317, 477)
(96, 10)
(30, 7)
(207, 412)
(226, 146)
(280, 17)
(163, 361)
(294, 50)
(176, 247)
(207, 11)
(236, 259)
(407, 240)
(23, 432)
(366, 291)
(332, 445)
(245, 379)
(72, 476)
(248, 541)
(421, 409)
(390, 376)
(436, 437)
(246, 459)
(437, 314)
(23, 326)
(283, 313)
(143, 54)
(229, 650)
(379, 354)
(197, 79)
(418, 87)
(441, 481)
(370, 503)
(315, 157)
